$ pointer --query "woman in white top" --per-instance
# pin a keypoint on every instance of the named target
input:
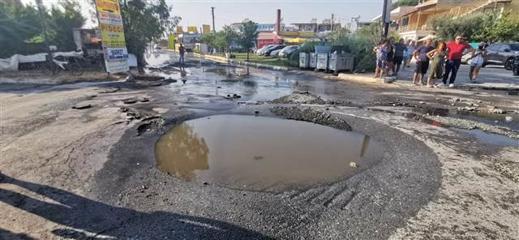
(476, 61)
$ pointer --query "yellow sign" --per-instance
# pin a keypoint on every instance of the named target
(111, 28)
(112, 34)
(206, 29)
(192, 29)
(179, 29)
(171, 41)
(111, 6)
(113, 39)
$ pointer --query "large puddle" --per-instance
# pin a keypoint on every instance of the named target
(263, 154)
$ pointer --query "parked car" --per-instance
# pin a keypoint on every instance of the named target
(502, 54)
(515, 66)
(262, 50)
(288, 50)
(275, 53)
(274, 48)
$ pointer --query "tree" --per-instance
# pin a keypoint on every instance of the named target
(506, 28)
(228, 36)
(248, 35)
(21, 29)
(479, 27)
(144, 21)
(209, 39)
(448, 27)
(65, 18)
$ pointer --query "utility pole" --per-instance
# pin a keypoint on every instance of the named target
(386, 18)
(332, 22)
(212, 12)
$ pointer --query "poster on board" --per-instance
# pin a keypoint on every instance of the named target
(112, 35)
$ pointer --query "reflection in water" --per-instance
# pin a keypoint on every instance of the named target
(365, 144)
(258, 153)
(180, 152)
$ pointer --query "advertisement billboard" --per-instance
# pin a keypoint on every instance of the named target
(112, 35)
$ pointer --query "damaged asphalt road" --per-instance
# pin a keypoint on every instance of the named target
(88, 173)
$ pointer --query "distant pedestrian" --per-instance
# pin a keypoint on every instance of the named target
(411, 47)
(381, 51)
(400, 49)
(181, 52)
(455, 50)
(438, 59)
(422, 62)
(476, 61)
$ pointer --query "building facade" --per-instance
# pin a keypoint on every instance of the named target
(416, 22)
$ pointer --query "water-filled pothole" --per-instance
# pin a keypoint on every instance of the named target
(260, 153)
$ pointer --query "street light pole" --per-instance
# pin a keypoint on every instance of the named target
(386, 18)
(212, 12)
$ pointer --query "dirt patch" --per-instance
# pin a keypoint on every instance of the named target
(311, 115)
(299, 98)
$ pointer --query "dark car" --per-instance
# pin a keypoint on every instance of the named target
(278, 47)
(502, 54)
(515, 67)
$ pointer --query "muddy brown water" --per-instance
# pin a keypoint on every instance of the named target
(263, 154)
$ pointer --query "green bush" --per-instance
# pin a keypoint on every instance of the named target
(479, 27)
(21, 29)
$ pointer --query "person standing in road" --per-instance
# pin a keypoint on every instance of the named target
(438, 59)
(181, 52)
(382, 54)
(476, 61)
(400, 48)
(455, 51)
(422, 62)
(411, 47)
(391, 57)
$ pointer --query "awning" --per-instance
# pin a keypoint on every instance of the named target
(294, 40)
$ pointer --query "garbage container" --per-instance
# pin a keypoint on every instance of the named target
(313, 60)
(322, 62)
(340, 62)
(304, 60)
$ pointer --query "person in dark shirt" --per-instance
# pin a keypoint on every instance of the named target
(422, 62)
(181, 52)
(391, 57)
(400, 48)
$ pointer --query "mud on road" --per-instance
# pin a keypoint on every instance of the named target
(78, 161)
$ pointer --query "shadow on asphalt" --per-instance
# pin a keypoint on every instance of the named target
(88, 219)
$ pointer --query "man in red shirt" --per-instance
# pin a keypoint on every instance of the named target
(455, 52)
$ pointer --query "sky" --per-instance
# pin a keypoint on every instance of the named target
(198, 12)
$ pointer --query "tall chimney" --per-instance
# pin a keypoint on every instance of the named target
(278, 22)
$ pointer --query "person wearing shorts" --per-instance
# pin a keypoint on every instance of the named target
(422, 62)
(476, 62)
(381, 51)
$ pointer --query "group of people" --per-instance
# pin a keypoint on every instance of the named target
(441, 59)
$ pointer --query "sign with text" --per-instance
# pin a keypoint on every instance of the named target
(112, 34)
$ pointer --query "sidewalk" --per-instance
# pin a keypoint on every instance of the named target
(491, 77)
